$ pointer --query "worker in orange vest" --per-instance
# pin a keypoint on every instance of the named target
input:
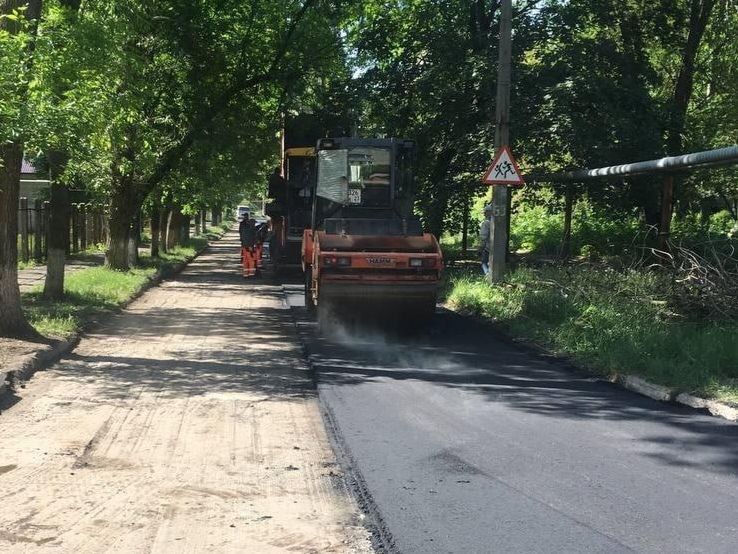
(247, 232)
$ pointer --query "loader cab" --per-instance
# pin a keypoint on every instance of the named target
(364, 187)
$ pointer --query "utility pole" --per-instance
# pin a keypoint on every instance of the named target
(500, 215)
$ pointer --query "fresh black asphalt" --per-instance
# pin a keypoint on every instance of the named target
(466, 443)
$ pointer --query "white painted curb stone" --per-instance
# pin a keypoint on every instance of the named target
(657, 392)
(713, 406)
(692, 401)
(722, 410)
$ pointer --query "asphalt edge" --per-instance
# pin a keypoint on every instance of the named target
(17, 374)
(627, 381)
(352, 480)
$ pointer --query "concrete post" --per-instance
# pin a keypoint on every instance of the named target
(498, 227)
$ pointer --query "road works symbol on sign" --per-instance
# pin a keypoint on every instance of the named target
(504, 170)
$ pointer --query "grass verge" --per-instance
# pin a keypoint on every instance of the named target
(610, 322)
(88, 293)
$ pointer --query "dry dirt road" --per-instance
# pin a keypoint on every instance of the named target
(184, 424)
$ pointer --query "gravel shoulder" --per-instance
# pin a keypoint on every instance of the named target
(186, 423)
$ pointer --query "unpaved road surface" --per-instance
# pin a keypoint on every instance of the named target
(185, 424)
(469, 444)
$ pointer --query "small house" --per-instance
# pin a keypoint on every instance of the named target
(33, 183)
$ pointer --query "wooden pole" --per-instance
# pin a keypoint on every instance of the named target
(47, 225)
(38, 219)
(74, 220)
(23, 227)
(83, 227)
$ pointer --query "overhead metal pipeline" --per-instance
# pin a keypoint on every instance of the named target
(672, 164)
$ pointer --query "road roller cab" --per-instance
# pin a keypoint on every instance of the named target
(365, 248)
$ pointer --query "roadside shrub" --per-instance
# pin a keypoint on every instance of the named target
(723, 223)
(540, 229)
(536, 229)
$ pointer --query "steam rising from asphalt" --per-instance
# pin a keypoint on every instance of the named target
(380, 342)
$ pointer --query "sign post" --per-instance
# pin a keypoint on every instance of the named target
(498, 227)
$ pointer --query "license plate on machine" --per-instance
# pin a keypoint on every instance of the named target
(380, 261)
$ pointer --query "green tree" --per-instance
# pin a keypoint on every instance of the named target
(18, 24)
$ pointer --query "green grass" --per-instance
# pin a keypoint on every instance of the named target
(93, 249)
(178, 254)
(609, 321)
(88, 292)
(217, 231)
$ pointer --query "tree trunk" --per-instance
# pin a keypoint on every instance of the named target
(58, 239)
(174, 230)
(12, 323)
(185, 229)
(123, 207)
(134, 239)
(171, 225)
(155, 215)
(163, 224)
(700, 11)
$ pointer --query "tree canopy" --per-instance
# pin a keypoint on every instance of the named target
(178, 104)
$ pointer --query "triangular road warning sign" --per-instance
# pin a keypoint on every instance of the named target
(503, 170)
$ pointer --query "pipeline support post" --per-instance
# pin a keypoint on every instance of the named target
(667, 207)
(568, 209)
